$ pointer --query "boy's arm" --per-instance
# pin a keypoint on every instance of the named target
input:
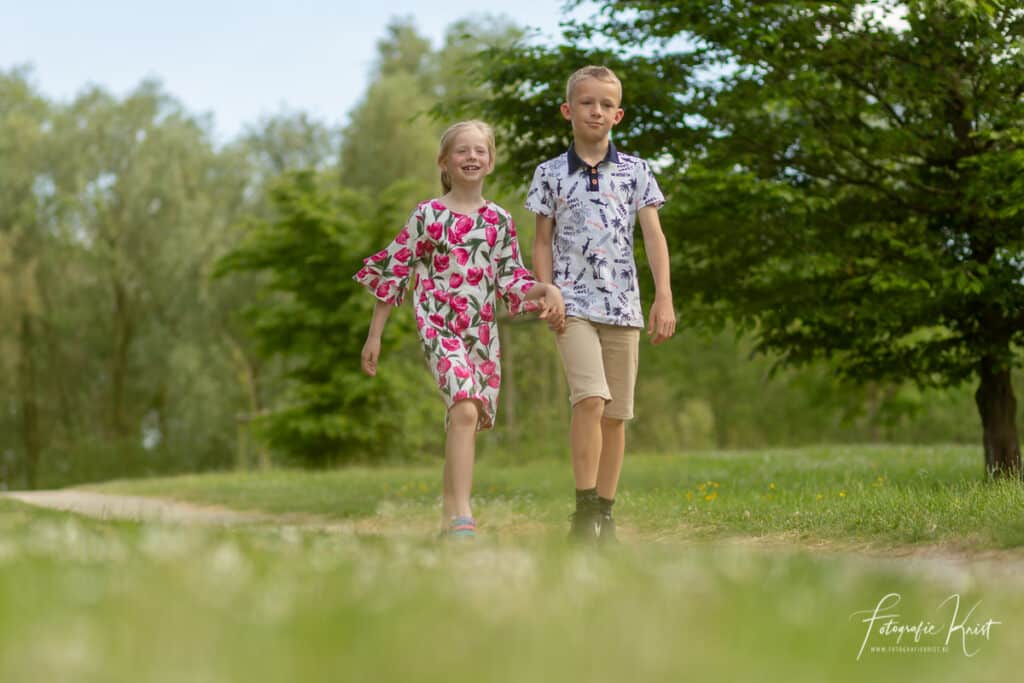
(371, 349)
(662, 319)
(542, 264)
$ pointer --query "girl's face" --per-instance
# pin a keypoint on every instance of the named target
(469, 159)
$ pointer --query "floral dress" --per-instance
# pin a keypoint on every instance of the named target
(461, 262)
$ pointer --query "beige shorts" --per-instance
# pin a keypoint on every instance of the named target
(600, 360)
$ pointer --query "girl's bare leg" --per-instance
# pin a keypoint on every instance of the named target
(459, 454)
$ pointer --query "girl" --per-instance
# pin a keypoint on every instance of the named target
(463, 249)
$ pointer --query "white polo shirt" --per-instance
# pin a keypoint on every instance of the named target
(595, 209)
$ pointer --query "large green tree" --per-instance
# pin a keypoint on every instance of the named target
(845, 178)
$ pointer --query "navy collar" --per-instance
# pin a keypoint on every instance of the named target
(575, 163)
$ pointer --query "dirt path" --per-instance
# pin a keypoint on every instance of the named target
(135, 508)
(947, 563)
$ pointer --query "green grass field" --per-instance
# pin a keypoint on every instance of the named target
(88, 600)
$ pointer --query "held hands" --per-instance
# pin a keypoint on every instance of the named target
(552, 307)
(371, 352)
(662, 320)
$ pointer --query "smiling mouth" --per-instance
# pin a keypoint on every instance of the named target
(470, 168)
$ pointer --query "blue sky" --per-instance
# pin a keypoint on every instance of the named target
(235, 60)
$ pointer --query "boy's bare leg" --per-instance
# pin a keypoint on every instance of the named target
(585, 441)
(613, 450)
(459, 454)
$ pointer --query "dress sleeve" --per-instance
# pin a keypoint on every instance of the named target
(513, 278)
(386, 273)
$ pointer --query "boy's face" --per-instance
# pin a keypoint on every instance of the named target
(470, 158)
(594, 109)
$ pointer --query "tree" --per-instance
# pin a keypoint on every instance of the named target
(845, 178)
(310, 312)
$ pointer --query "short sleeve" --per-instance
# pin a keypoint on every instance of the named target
(513, 278)
(386, 274)
(647, 191)
(539, 198)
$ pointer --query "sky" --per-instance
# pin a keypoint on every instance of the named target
(237, 61)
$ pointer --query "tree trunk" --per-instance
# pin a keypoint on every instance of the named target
(998, 409)
(29, 400)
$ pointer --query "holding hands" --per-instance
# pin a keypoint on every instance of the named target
(547, 300)
(552, 307)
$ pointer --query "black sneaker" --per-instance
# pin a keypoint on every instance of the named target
(606, 530)
(585, 527)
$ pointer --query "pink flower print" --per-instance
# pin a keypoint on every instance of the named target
(437, 206)
(484, 332)
(494, 381)
(474, 275)
(489, 215)
(430, 333)
(403, 255)
(424, 247)
(488, 367)
(520, 273)
(490, 272)
(459, 303)
(487, 312)
(403, 236)
(420, 322)
(363, 272)
(435, 230)
(374, 282)
(423, 297)
(461, 255)
(379, 256)
(441, 295)
(382, 291)
(436, 320)
(443, 365)
(515, 250)
(492, 235)
(512, 229)
(461, 372)
(459, 323)
(400, 270)
(455, 281)
(513, 301)
(427, 285)
(441, 262)
(451, 343)
(459, 229)
(460, 395)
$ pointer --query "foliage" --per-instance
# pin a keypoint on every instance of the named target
(310, 313)
(843, 177)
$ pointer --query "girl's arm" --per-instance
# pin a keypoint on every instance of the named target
(662, 323)
(371, 349)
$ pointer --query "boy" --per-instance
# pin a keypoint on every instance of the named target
(586, 202)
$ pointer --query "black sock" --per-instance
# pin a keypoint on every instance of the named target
(586, 499)
(604, 506)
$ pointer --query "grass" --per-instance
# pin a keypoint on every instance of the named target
(84, 600)
(856, 496)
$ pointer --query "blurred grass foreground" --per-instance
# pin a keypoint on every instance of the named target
(351, 585)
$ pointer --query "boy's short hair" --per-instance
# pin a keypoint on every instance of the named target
(601, 73)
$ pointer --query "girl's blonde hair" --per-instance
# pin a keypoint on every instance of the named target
(448, 140)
